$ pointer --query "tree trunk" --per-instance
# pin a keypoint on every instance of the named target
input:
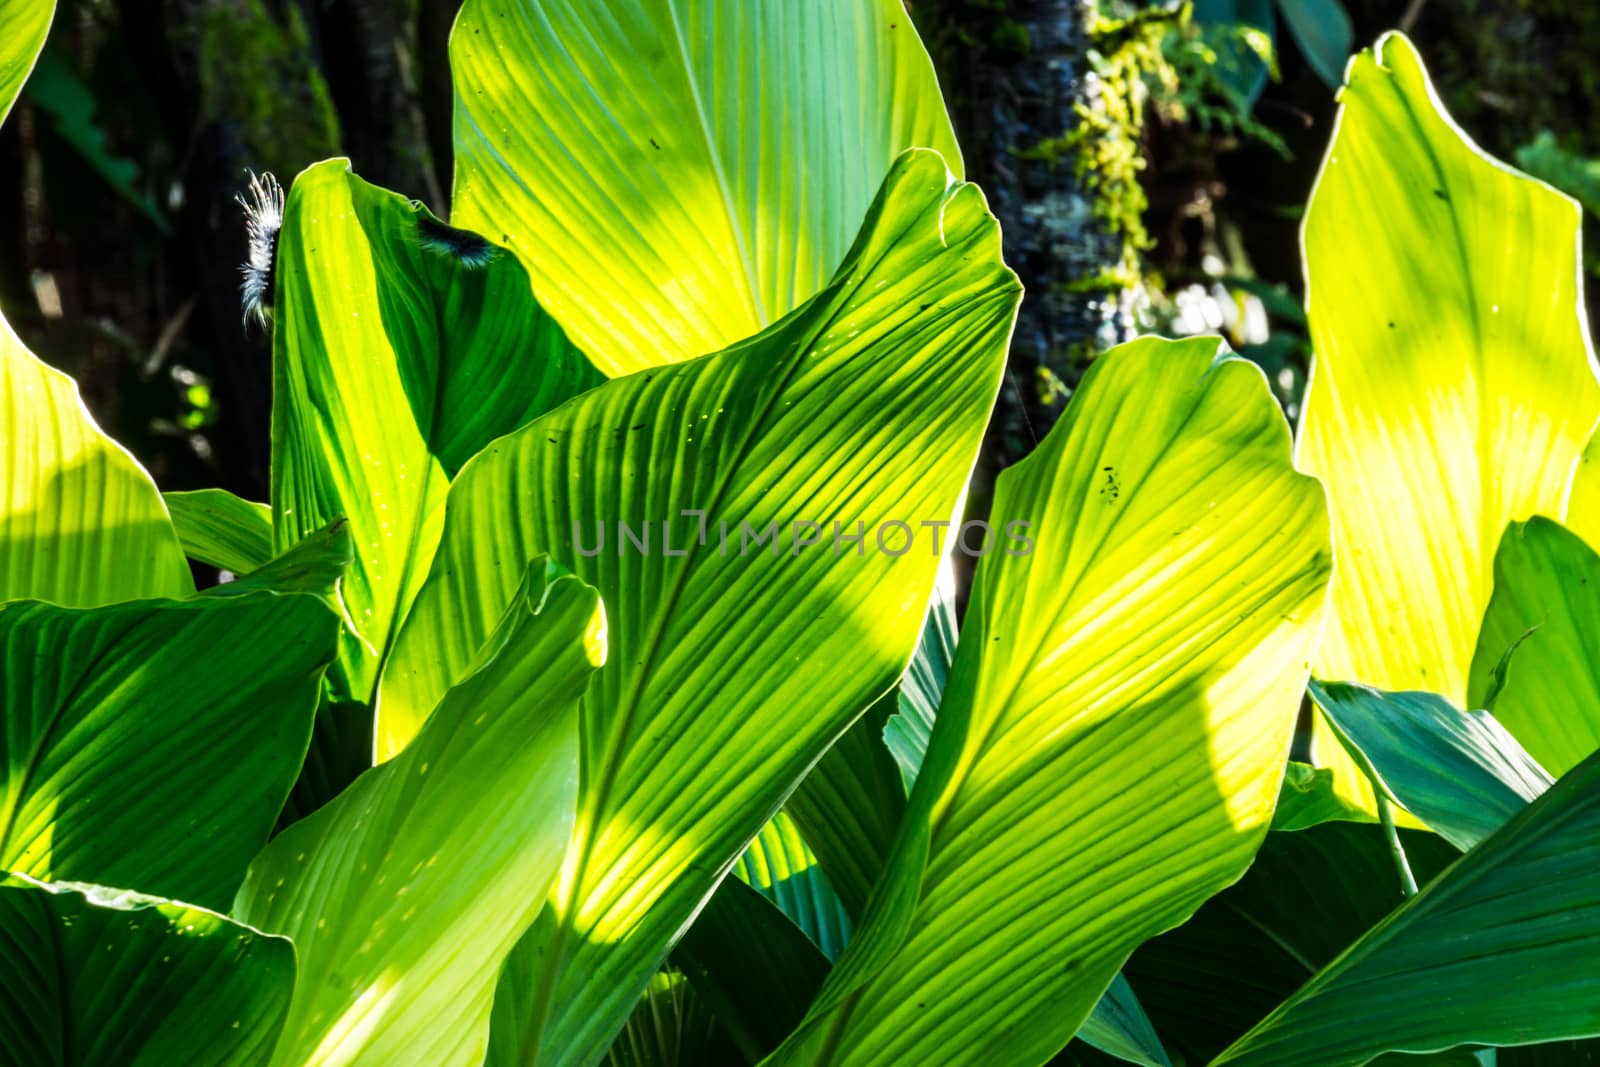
(1017, 79)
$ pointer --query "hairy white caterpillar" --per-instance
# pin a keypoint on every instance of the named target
(263, 218)
(463, 246)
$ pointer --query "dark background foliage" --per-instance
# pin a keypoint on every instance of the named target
(120, 240)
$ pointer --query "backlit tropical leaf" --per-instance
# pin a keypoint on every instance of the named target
(673, 204)
(402, 346)
(1161, 625)
(735, 663)
(24, 25)
(81, 523)
(404, 894)
(1454, 385)
(151, 743)
(1547, 602)
(219, 529)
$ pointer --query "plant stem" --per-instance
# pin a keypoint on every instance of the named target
(1408, 883)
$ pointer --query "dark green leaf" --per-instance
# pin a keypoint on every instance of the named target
(1459, 772)
(1499, 950)
(152, 743)
(97, 977)
(1308, 895)
(1322, 30)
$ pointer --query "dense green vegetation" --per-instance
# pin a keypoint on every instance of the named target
(599, 683)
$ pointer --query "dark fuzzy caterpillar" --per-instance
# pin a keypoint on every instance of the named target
(263, 218)
(463, 246)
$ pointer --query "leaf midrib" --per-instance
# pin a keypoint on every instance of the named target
(704, 128)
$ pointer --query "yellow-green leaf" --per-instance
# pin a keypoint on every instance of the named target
(23, 27)
(221, 530)
(1454, 385)
(81, 523)
(1583, 506)
(697, 191)
(1547, 602)
(1114, 730)
(405, 892)
(735, 663)
(402, 346)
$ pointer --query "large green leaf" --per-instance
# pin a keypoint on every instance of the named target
(402, 347)
(675, 203)
(152, 743)
(81, 523)
(1307, 896)
(899, 726)
(1547, 597)
(24, 24)
(98, 977)
(403, 895)
(219, 529)
(850, 805)
(1459, 772)
(735, 664)
(1158, 625)
(315, 565)
(1499, 950)
(1454, 385)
